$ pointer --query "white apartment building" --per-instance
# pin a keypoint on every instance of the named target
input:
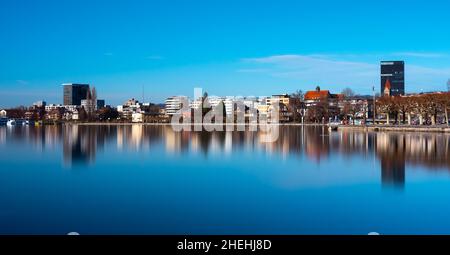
(174, 104)
(214, 101)
(53, 107)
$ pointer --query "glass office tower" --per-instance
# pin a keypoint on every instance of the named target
(394, 72)
(74, 93)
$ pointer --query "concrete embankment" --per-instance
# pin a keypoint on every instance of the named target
(429, 129)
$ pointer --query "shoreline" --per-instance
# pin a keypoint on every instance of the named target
(405, 129)
(378, 128)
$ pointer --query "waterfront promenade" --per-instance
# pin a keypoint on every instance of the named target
(401, 128)
(369, 128)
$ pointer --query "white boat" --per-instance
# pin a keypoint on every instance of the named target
(11, 122)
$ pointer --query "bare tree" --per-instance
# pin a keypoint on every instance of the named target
(421, 108)
(395, 107)
(296, 105)
(348, 92)
(432, 106)
(405, 106)
(298, 95)
(385, 105)
(446, 103)
(443, 100)
(349, 109)
(428, 107)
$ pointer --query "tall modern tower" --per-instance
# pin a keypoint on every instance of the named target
(74, 93)
(393, 74)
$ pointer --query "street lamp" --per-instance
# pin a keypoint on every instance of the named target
(374, 106)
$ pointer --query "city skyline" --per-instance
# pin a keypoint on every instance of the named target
(221, 126)
(228, 48)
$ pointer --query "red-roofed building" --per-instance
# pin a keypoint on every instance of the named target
(313, 97)
(317, 95)
(321, 105)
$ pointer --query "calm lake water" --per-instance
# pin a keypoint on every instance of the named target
(152, 180)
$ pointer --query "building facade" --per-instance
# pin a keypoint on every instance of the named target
(174, 104)
(393, 74)
(74, 93)
(282, 103)
(315, 97)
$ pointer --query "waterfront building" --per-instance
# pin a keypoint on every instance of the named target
(278, 99)
(74, 93)
(215, 101)
(3, 114)
(229, 103)
(130, 107)
(393, 73)
(174, 104)
(321, 105)
(262, 106)
(137, 117)
(71, 108)
(314, 97)
(265, 104)
(55, 114)
(126, 114)
(51, 107)
(71, 115)
(283, 102)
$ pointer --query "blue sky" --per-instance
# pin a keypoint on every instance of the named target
(226, 47)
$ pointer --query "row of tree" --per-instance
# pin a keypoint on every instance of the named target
(426, 107)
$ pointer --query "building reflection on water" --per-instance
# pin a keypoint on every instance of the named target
(394, 151)
(391, 151)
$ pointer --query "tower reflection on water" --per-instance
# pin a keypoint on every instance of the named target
(394, 151)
